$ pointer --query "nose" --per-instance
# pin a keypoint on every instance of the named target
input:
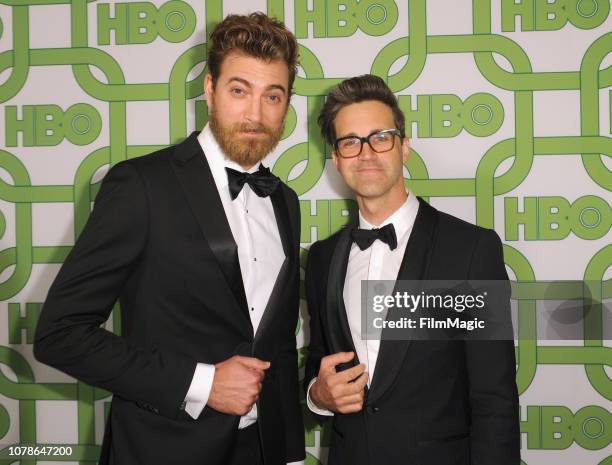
(253, 113)
(366, 152)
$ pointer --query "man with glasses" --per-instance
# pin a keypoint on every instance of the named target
(399, 401)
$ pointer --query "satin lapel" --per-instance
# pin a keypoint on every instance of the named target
(281, 213)
(195, 177)
(337, 320)
(414, 266)
(282, 286)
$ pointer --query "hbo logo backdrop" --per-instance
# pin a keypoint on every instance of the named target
(509, 106)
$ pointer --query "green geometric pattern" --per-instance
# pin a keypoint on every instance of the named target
(502, 108)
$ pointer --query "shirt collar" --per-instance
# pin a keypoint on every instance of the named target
(217, 161)
(403, 218)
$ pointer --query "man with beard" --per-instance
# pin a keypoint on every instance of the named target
(199, 243)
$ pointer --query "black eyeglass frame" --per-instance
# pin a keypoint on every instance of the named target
(366, 139)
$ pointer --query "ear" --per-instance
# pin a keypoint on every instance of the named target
(209, 90)
(405, 149)
(335, 158)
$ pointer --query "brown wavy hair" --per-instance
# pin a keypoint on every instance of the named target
(355, 90)
(255, 35)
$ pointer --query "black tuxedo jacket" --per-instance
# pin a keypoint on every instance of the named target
(159, 242)
(429, 402)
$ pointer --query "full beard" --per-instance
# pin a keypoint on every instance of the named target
(246, 151)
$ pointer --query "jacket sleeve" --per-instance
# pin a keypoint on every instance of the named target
(491, 366)
(317, 348)
(69, 337)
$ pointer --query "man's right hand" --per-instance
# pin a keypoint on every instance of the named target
(342, 391)
(236, 384)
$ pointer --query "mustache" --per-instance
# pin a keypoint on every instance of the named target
(252, 127)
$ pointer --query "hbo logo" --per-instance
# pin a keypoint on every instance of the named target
(446, 115)
(342, 18)
(142, 22)
(553, 218)
(47, 125)
(547, 15)
(557, 427)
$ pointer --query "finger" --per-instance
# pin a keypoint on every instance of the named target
(351, 374)
(349, 389)
(253, 363)
(349, 400)
(352, 408)
(254, 376)
(251, 388)
(361, 382)
(330, 361)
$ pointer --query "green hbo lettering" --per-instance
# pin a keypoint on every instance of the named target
(547, 15)
(342, 18)
(446, 115)
(557, 428)
(48, 125)
(553, 218)
(142, 22)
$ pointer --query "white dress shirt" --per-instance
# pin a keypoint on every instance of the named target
(260, 253)
(378, 262)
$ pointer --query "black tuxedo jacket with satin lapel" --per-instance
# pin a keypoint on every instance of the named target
(429, 402)
(158, 241)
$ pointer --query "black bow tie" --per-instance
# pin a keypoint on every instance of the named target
(262, 181)
(364, 238)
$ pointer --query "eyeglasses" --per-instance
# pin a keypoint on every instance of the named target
(379, 141)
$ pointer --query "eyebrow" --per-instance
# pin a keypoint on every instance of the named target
(354, 134)
(248, 84)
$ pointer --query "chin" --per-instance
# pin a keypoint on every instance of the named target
(371, 187)
(370, 192)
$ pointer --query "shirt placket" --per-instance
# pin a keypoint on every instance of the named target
(250, 268)
(374, 274)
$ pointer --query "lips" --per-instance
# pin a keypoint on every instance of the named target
(253, 131)
(369, 169)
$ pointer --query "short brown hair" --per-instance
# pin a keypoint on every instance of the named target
(355, 90)
(255, 35)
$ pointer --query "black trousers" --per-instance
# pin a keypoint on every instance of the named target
(247, 450)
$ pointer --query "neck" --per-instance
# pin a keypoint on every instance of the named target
(376, 210)
(246, 167)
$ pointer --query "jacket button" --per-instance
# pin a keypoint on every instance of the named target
(372, 409)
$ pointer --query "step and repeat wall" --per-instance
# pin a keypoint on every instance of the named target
(509, 110)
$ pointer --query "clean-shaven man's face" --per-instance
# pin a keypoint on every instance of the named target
(248, 104)
(371, 175)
